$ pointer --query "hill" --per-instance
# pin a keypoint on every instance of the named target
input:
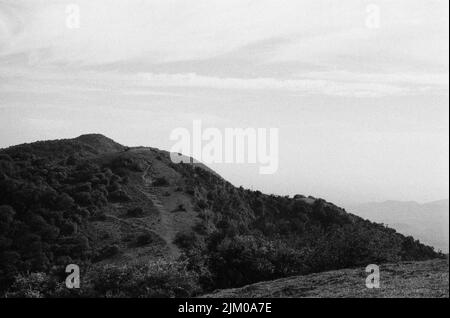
(139, 225)
(427, 279)
(427, 222)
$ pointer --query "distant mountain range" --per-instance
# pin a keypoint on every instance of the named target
(428, 222)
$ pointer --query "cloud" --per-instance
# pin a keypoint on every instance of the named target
(161, 31)
(112, 31)
(331, 83)
(232, 45)
(304, 86)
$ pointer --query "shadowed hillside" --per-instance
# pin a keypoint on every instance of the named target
(139, 225)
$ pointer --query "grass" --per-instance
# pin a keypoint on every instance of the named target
(428, 279)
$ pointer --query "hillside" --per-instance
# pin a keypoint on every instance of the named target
(428, 222)
(139, 225)
(427, 279)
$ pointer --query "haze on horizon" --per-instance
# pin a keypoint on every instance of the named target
(358, 90)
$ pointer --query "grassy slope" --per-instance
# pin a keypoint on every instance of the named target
(407, 279)
(164, 222)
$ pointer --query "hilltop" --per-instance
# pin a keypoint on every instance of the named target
(131, 213)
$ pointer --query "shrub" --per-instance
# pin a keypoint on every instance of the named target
(144, 239)
(83, 198)
(99, 216)
(119, 196)
(83, 187)
(201, 204)
(180, 208)
(201, 228)
(35, 285)
(64, 201)
(98, 198)
(114, 186)
(7, 166)
(108, 251)
(42, 285)
(240, 261)
(135, 212)
(160, 182)
(7, 214)
(114, 178)
(157, 279)
(187, 240)
(130, 163)
(5, 157)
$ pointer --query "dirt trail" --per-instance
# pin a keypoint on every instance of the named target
(134, 224)
(165, 228)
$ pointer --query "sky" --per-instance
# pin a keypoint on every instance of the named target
(358, 89)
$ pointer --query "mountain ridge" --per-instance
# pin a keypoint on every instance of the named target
(92, 201)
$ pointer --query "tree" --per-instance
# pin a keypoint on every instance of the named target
(7, 214)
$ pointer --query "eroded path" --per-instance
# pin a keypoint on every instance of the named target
(165, 229)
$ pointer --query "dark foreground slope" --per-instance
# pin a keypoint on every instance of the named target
(139, 225)
(426, 279)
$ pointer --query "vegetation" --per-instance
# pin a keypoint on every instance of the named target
(248, 237)
(157, 279)
(135, 212)
(426, 279)
(51, 191)
(160, 182)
